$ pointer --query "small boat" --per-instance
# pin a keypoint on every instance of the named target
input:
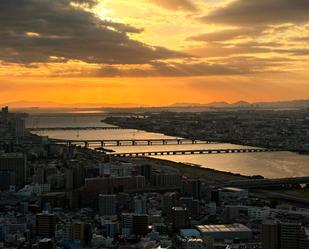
(102, 149)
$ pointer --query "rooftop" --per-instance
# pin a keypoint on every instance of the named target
(190, 233)
(223, 228)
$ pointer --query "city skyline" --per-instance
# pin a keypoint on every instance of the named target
(153, 52)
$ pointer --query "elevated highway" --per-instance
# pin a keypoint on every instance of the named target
(264, 183)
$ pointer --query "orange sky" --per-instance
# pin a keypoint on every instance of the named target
(153, 52)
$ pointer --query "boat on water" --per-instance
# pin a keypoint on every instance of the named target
(104, 150)
(192, 164)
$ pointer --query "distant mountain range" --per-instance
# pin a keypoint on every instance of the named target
(221, 104)
(244, 104)
(240, 104)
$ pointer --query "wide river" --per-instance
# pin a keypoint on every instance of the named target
(267, 164)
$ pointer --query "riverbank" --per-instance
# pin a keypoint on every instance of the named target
(212, 176)
(188, 129)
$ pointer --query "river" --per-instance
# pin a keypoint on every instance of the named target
(267, 164)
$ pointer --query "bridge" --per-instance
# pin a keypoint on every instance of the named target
(76, 128)
(263, 183)
(130, 142)
(191, 152)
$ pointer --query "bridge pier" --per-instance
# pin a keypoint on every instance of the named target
(189, 152)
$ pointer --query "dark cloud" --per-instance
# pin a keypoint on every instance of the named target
(218, 49)
(161, 69)
(186, 5)
(228, 34)
(237, 65)
(260, 12)
(294, 51)
(300, 39)
(86, 2)
(254, 64)
(34, 30)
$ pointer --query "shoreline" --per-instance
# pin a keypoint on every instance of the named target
(203, 168)
(173, 134)
(195, 169)
(212, 176)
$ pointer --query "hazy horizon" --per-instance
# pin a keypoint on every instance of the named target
(53, 105)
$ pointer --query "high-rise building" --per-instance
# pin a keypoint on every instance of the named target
(20, 127)
(180, 218)
(107, 204)
(68, 173)
(74, 176)
(110, 228)
(7, 179)
(230, 214)
(39, 175)
(193, 206)
(284, 235)
(67, 231)
(127, 224)
(108, 185)
(140, 204)
(304, 239)
(82, 232)
(15, 163)
(191, 188)
(146, 171)
(166, 180)
(290, 235)
(124, 202)
(45, 225)
(169, 200)
(140, 224)
(270, 234)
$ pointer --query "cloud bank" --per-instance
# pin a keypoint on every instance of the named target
(39, 31)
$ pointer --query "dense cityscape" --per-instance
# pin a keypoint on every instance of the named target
(60, 196)
(154, 124)
(285, 129)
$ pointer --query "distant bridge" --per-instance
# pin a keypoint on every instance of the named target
(262, 183)
(130, 142)
(75, 128)
(191, 152)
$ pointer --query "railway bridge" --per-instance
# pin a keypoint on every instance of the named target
(192, 152)
(130, 142)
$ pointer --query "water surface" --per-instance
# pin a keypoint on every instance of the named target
(268, 164)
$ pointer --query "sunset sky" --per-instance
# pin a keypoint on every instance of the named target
(153, 52)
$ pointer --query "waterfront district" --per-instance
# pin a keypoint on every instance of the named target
(282, 129)
(66, 196)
